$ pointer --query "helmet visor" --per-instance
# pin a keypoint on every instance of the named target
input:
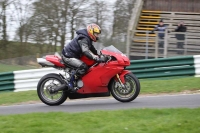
(97, 36)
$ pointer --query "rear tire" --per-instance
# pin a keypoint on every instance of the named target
(44, 90)
(132, 90)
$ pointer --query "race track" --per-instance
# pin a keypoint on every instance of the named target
(83, 105)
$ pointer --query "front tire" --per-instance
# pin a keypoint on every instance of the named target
(44, 90)
(131, 91)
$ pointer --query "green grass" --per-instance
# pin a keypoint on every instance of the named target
(147, 87)
(121, 121)
(10, 68)
(170, 85)
(8, 98)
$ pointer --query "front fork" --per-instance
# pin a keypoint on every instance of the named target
(121, 79)
(123, 86)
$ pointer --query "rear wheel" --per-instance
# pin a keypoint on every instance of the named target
(45, 90)
(130, 90)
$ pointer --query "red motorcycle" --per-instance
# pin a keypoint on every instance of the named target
(101, 80)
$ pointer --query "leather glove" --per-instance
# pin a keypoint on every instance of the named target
(107, 57)
(100, 60)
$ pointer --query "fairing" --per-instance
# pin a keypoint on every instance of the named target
(98, 78)
(121, 58)
(50, 61)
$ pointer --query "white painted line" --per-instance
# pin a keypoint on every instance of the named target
(168, 95)
(97, 99)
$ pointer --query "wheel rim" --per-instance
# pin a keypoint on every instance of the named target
(129, 92)
(46, 88)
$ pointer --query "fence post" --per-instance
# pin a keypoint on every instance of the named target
(156, 46)
(165, 43)
(185, 47)
(147, 43)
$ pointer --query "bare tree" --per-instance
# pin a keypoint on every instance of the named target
(101, 14)
(51, 16)
(122, 15)
(3, 16)
(21, 16)
(75, 8)
(63, 24)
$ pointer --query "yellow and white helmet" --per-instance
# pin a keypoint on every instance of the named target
(94, 31)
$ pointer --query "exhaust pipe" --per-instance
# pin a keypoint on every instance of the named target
(61, 87)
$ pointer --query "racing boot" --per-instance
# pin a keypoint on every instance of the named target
(71, 83)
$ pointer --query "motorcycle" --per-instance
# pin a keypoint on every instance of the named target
(101, 80)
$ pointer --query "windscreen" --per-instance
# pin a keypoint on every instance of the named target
(112, 49)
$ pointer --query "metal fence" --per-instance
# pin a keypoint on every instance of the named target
(150, 45)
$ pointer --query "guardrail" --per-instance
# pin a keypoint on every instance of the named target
(163, 67)
(23, 80)
(150, 68)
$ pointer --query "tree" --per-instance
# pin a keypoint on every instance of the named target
(122, 14)
(21, 17)
(99, 12)
(76, 9)
(64, 4)
(51, 16)
(3, 16)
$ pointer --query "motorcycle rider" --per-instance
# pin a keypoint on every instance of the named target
(82, 44)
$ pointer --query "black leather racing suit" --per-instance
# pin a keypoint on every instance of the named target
(80, 45)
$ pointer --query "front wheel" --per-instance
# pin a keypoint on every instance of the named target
(45, 90)
(130, 90)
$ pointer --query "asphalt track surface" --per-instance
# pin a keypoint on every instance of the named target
(85, 105)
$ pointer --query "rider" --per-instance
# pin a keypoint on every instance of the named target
(81, 45)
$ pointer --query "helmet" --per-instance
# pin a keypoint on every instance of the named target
(92, 29)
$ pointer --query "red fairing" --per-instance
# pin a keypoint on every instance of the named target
(97, 78)
(55, 60)
(87, 61)
(121, 58)
(121, 75)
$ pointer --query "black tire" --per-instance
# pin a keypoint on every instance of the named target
(42, 89)
(132, 88)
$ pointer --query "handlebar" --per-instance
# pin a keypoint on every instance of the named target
(109, 59)
(94, 64)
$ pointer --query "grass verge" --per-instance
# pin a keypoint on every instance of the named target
(170, 85)
(147, 87)
(9, 98)
(121, 121)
